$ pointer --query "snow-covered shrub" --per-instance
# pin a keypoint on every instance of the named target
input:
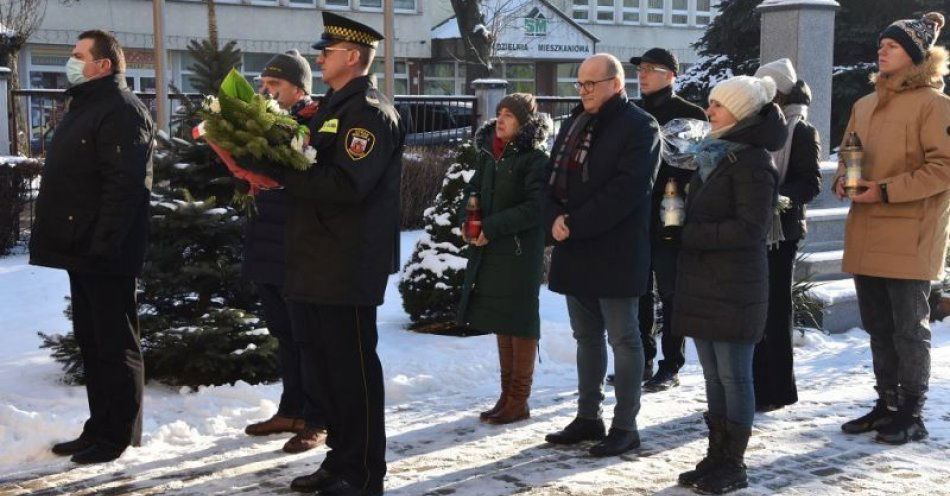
(423, 168)
(432, 279)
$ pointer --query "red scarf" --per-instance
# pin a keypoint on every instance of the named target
(498, 147)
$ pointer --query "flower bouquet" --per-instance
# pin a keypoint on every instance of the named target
(241, 125)
(679, 136)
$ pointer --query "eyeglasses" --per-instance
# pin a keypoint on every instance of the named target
(646, 69)
(589, 85)
(324, 50)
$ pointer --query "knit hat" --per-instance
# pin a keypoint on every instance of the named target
(521, 104)
(916, 36)
(744, 95)
(292, 67)
(782, 72)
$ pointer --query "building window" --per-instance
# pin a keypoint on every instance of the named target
(581, 10)
(336, 4)
(443, 78)
(371, 4)
(408, 5)
(605, 11)
(655, 12)
(680, 15)
(302, 3)
(566, 77)
(630, 12)
(520, 77)
(703, 12)
(631, 83)
(400, 76)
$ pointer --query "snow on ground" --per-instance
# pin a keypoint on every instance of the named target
(194, 442)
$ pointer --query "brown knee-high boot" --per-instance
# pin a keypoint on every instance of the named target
(515, 407)
(505, 359)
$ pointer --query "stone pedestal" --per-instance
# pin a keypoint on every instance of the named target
(803, 31)
(488, 92)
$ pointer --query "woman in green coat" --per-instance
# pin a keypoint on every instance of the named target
(505, 261)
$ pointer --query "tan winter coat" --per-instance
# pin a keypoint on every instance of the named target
(905, 128)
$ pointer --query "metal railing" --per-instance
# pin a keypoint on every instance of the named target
(430, 120)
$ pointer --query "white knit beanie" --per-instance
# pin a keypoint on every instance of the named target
(744, 95)
(782, 72)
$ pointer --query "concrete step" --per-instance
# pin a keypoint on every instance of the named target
(820, 266)
(825, 229)
(826, 198)
(841, 305)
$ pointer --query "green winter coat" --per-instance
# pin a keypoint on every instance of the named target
(503, 278)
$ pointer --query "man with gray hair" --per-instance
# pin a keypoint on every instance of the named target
(597, 210)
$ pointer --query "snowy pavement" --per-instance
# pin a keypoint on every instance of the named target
(435, 385)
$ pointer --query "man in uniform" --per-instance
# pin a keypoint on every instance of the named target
(342, 233)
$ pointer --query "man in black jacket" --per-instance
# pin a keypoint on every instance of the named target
(342, 244)
(597, 208)
(92, 220)
(657, 73)
(288, 79)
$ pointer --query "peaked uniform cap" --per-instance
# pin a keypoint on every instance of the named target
(337, 28)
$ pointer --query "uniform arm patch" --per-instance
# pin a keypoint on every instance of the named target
(359, 143)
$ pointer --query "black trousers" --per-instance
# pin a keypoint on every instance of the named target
(896, 314)
(674, 347)
(773, 364)
(338, 343)
(106, 326)
(300, 397)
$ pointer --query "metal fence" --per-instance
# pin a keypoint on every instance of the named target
(558, 107)
(430, 120)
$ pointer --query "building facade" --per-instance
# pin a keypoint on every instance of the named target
(539, 43)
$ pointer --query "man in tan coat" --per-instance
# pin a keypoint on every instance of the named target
(896, 234)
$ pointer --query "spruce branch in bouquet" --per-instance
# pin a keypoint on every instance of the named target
(245, 127)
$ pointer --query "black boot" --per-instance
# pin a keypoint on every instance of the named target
(72, 447)
(617, 442)
(730, 475)
(717, 434)
(320, 479)
(880, 416)
(663, 380)
(97, 453)
(578, 430)
(906, 425)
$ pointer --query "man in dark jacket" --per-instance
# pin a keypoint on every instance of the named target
(287, 78)
(658, 68)
(597, 208)
(92, 220)
(342, 233)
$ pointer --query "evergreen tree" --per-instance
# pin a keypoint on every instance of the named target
(197, 315)
(431, 282)
(729, 47)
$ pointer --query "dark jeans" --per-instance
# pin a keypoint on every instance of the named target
(299, 398)
(674, 347)
(590, 319)
(896, 314)
(338, 344)
(773, 363)
(106, 326)
(727, 368)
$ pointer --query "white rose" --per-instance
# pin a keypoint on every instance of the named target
(297, 143)
(274, 107)
(310, 153)
(215, 106)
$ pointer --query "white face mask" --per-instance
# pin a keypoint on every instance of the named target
(74, 73)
